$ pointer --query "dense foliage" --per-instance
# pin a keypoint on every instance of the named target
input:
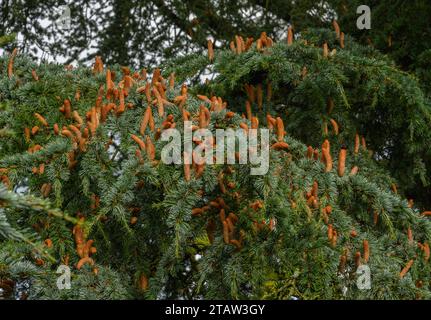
(120, 30)
(80, 155)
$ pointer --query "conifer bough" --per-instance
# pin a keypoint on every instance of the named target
(97, 158)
